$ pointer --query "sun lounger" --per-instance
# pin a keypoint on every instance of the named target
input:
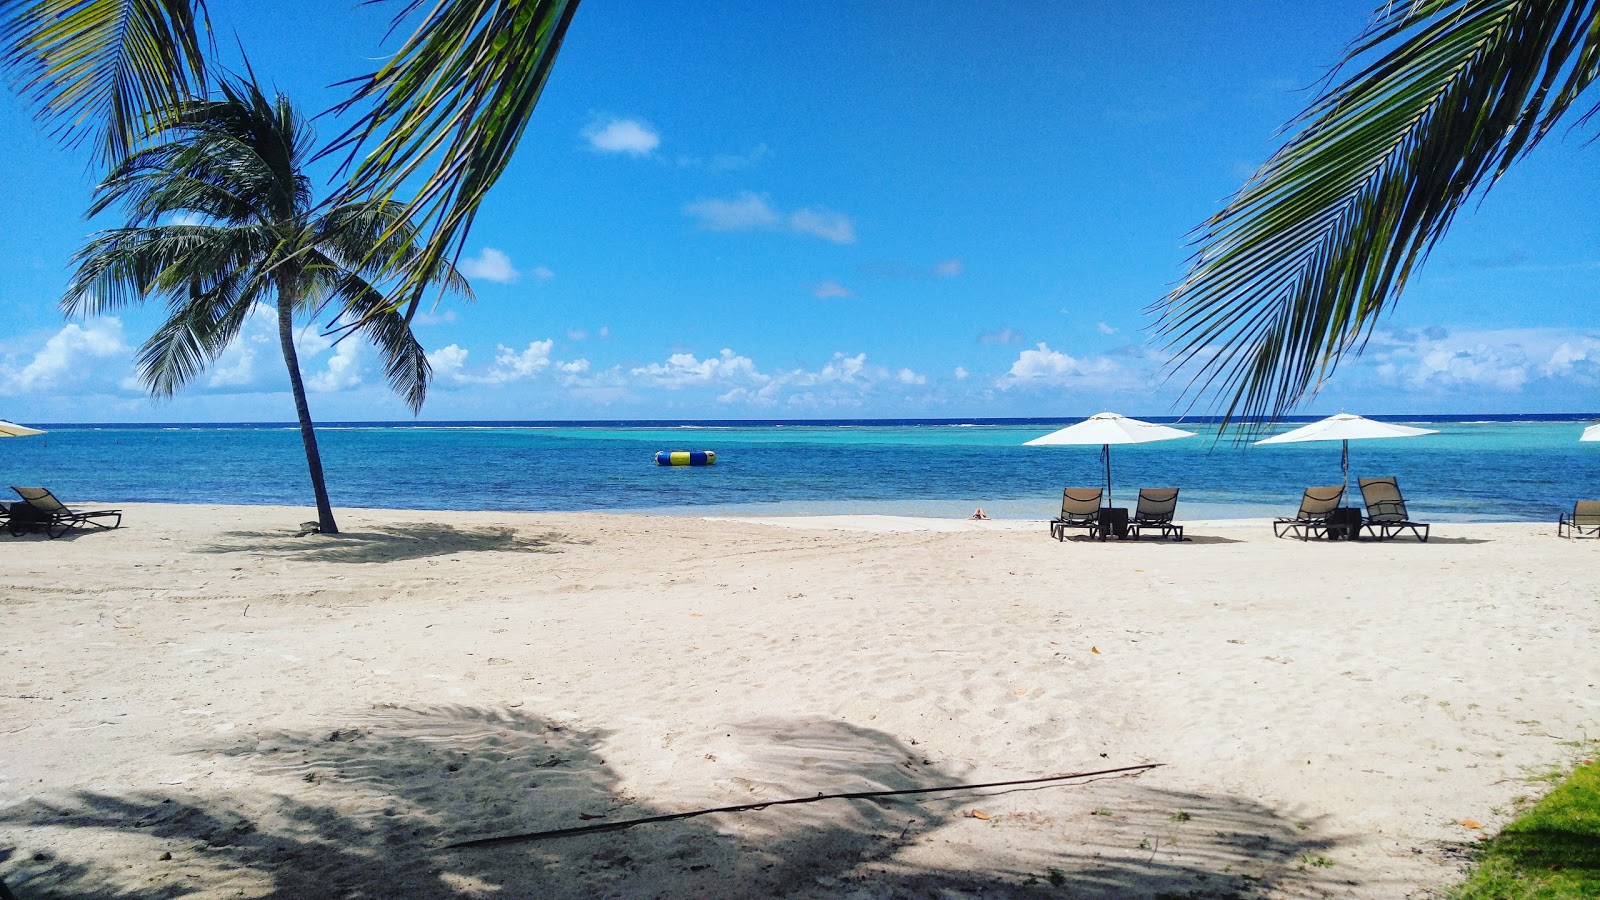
(1386, 510)
(55, 517)
(1080, 508)
(1583, 520)
(1312, 519)
(1155, 509)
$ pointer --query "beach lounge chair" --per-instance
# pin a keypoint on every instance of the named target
(1584, 519)
(55, 517)
(1080, 508)
(1312, 519)
(1386, 510)
(1155, 509)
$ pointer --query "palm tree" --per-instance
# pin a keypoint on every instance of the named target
(235, 164)
(1294, 272)
(457, 96)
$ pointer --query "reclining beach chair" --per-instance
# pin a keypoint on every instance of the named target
(1080, 508)
(1386, 510)
(1312, 519)
(55, 517)
(1584, 519)
(1155, 509)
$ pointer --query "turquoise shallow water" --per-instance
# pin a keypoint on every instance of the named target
(1501, 470)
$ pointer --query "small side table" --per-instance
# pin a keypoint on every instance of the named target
(1344, 524)
(1113, 520)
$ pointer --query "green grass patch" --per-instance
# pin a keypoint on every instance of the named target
(1551, 852)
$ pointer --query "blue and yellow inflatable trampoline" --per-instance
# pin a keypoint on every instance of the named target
(686, 458)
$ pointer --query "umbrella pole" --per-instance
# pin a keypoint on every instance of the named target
(1344, 463)
(1105, 450)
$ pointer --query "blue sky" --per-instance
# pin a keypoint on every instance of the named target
(899, 210)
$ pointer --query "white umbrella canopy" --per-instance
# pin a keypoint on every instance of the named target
(1592, 433)
(1105, 429)
(1346, 427)
(11, 429)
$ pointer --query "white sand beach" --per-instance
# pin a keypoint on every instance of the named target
(200, 705)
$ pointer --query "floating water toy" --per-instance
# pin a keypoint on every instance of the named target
(686, 458)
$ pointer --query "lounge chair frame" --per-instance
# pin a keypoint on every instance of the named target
(1583, 520)
(1080, 508)
(55, 517)
(1386, 510)
(1154, 510)
(1312, 519)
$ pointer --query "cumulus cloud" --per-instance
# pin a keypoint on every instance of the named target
(68, 358)
(448, 363)
(1000, 336)
(490, 265)
(1045, 367)
(832, 289)
(1505, 361)
(745, 212)
(961, 373)
(683, 369)
(749, 211)
(631, 136)
(1106, 329)
(824, 223)
(907, 376)
(342, 371)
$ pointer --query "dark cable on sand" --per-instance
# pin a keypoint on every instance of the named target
(856, 795)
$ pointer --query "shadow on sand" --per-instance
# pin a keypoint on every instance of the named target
(389, 543)
(364, 811)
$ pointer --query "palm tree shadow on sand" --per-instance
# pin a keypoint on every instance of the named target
(365, 811)
(390, 543)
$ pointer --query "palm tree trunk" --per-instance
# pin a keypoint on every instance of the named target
(308, 434)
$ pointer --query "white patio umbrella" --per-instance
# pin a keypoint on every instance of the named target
(1592, 433)
(10, 429)
(1106, 429)
(1345, 428)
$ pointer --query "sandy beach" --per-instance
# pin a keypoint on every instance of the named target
(200, 705)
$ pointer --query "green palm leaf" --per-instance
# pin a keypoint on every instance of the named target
(461, 90)
(1294, 272)
(104, 68)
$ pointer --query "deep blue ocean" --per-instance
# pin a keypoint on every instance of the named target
(1478, 468)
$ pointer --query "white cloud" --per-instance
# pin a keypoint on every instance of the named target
(682, 369)
(961, 373)
(515, 365)
(906, 376)
(750, 211)
(1000, 336)
(631, 136)
(543, 273)
(1106, 329)
(69, 357)
(745, 212)
(949, 268)
(1501, 360)
(447, 363)
(604, 333)
(831, 289)
(1043, 366)
(490, 265)
(577, 334)
(824, 223)
(343, 369)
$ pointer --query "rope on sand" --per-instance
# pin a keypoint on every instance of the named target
(856, 795)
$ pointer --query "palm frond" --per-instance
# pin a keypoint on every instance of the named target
(201, 324)
(124, 267)
(1293, 273)
(405, 363)
(460, 91)
(104, 68)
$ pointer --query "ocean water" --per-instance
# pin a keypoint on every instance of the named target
(1505, 469)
